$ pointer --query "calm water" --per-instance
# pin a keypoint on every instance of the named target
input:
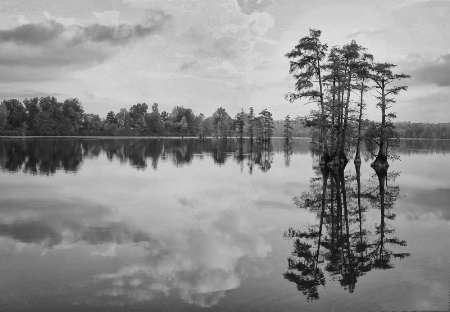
(180, 225)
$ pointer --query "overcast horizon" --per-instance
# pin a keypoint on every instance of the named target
(205, 54)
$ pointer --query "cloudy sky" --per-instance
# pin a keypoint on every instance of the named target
(203, 54)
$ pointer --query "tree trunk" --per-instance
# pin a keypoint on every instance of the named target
(358, 143)
(323, 145)
(342, 156)
(381, 159)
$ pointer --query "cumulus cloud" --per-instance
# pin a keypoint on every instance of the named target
(209, 35)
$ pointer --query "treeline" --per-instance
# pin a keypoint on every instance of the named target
(46, 116)
(422, 130)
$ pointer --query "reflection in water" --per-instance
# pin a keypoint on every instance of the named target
(288, 151)
(341, 243)
(40, 156)
(201, 264)
(410, 147)
(116, 237)
(46, 156)
(53, 223)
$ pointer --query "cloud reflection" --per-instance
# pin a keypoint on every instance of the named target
(201, 264)
(198, 262)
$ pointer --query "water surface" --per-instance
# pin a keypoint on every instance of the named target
(185, 225)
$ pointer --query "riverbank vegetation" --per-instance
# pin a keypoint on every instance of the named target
(46, 116)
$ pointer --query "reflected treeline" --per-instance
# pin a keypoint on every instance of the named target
(343, 243)
(46, 156)
(40, 156)
(408, 147)
(254, 155)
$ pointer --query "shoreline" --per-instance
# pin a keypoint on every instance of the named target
(121, 137)
(156, 138)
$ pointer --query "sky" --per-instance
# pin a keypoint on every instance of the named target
(203, 54)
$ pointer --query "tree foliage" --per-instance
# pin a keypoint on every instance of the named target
(331, 79)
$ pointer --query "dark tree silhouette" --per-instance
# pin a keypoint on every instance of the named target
(340, 243)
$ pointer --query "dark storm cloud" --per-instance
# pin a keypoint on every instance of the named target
(437, 72)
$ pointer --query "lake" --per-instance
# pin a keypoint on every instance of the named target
(103, 224)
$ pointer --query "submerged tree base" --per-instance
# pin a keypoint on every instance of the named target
(380, 163)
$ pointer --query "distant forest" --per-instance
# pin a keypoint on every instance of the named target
(46, 116)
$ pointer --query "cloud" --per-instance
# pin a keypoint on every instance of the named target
(189, 203)
(425, 104)
(109, 17)
(364, 33)
(52, 31)
(38, 51)
(32, 34)
(434, 72)
(408, 3)
(212, 34)
(250, 6)
(24, 93)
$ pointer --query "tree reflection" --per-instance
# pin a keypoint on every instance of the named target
(41, 156)
(47, 156)
(264, 156)
(288, 151)
(341, 243)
